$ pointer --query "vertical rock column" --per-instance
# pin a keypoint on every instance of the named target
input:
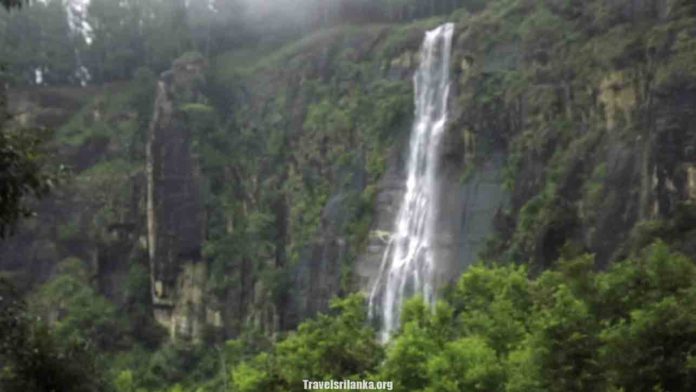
(175, 212)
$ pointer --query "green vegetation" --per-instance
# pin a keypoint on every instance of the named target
(291, 131)
(341, 346)
(35, 359)
(304, 147)
(570, 328)
(23, 173)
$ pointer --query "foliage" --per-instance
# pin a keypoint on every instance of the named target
(21, 159)
(36, 45)
(34, 359)
(340, 346)
(76, 311)
(23, 175)
(569, 329)
(679, 71)
(292, 160)
(289, 134)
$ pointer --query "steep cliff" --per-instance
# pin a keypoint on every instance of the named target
(571, 133)
(311, 137)
(175, 214)
(591, 107)
(93, 215)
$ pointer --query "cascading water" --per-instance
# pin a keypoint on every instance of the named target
(408, 264)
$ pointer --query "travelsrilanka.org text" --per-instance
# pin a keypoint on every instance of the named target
(348, 385)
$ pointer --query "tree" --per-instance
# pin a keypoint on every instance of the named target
(651, 340)
(339, 346)
(38, 45)
(468, 364)
(127, 35)
(407, 356)
(21, 175)
(76, 310)
(33, 360)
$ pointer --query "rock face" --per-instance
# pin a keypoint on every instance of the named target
(483, 197)
(471, 198)
(175, 216)
(390, 189)
(323, 190)
(596, 152)
(65, 225)
(550, 157)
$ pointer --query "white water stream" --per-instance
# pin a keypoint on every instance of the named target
(408, 264)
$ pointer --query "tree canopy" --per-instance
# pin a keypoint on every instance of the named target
(630, 328)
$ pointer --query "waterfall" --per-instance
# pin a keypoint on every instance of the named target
(408, 263)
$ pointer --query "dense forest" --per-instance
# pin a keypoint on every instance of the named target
(447, 195)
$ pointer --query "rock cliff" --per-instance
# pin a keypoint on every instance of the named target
(175, 214)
